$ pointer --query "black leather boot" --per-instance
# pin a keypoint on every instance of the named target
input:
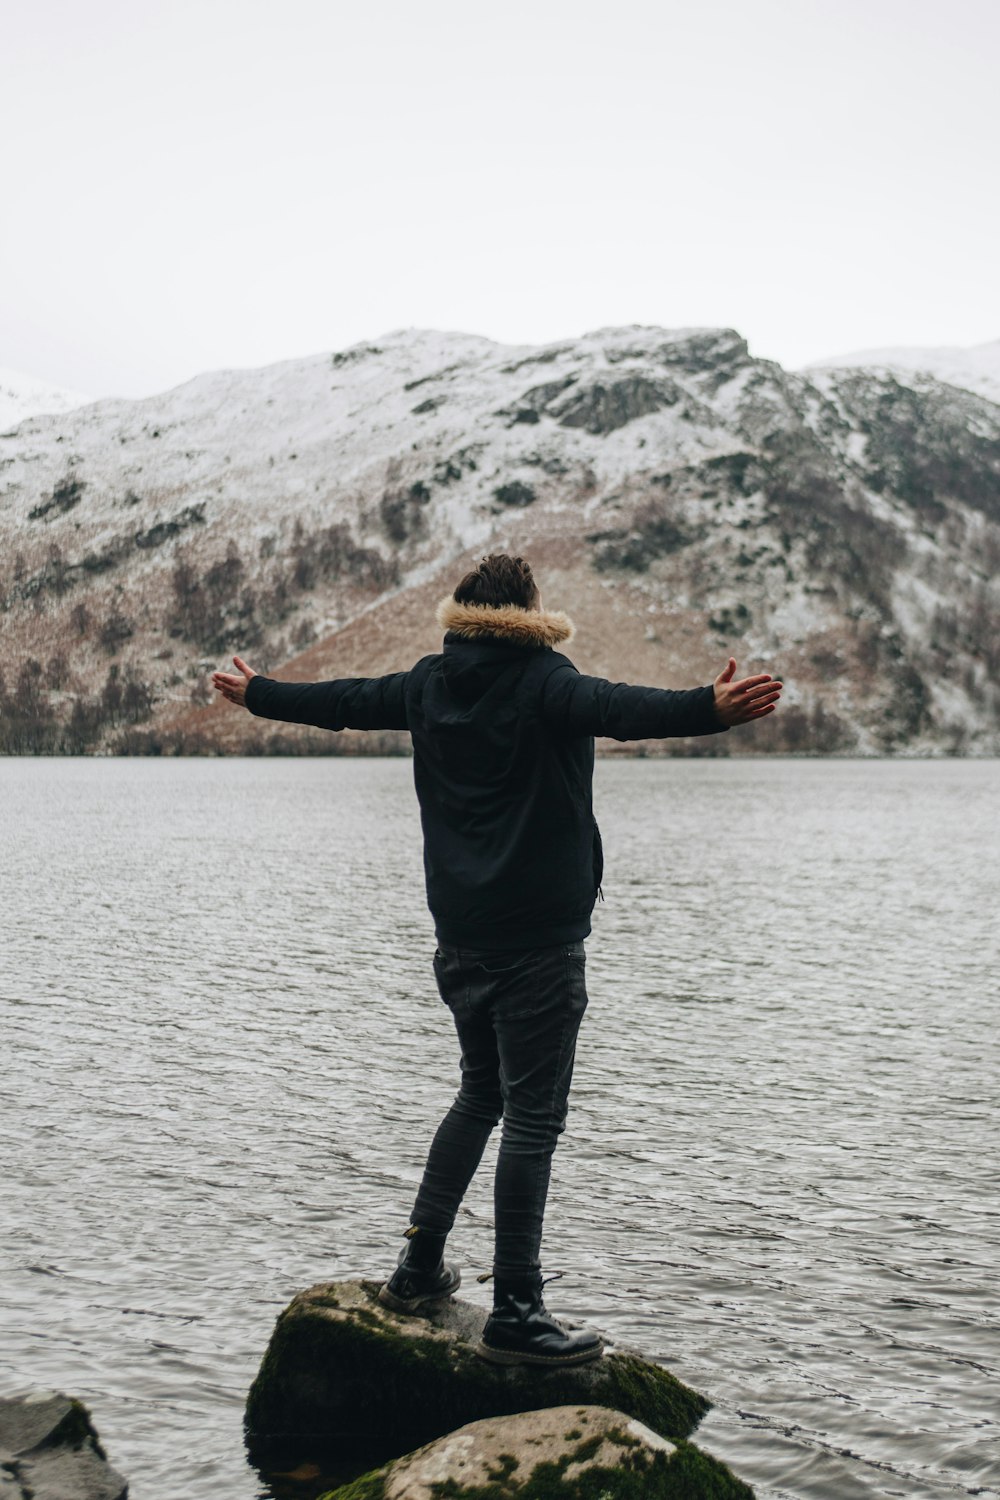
(520, 1331)
(421, 1275)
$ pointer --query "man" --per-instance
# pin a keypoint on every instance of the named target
(503, 730)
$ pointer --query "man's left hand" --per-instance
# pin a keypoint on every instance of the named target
(749, 698)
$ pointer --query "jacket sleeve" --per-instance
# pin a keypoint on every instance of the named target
(574, 704)
(350, 703)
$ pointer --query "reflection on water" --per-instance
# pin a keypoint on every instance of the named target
(224, 1058)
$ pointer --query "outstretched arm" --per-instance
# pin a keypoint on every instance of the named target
(621, 711)
(348, 703)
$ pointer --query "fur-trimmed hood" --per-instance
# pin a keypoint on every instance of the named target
(504, 622)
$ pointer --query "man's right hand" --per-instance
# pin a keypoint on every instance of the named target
(232, 687)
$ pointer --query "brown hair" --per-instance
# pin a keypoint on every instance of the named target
(499, 579)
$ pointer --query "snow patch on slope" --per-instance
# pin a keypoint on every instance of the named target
(22, 396)
(974, 369)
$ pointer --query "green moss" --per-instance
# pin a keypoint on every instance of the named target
(622, 1438)
(699, 1474)
(368, 1487)
(651, 1394)
(687, 1474)
(506, 1464)
(545, 1482)
(369, 1318)
(586, 1450)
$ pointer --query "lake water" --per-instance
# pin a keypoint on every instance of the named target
(224, 1057)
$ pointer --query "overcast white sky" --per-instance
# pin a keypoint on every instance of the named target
(193, 184)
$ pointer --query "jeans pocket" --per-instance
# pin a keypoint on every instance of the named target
(452, 985)
(576, 977)
(529, 987)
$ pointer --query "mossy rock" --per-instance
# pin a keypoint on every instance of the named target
(561, 1453)
(345, 1376)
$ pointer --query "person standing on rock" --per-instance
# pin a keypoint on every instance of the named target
(503, 729)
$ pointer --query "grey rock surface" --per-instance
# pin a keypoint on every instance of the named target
(575, 1438)
(49, 1450)
(345, 1374)
(562, 1452)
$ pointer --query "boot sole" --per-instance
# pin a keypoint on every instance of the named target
(512, 1357)
(411, 1304)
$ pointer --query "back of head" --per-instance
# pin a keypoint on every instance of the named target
(499, 580)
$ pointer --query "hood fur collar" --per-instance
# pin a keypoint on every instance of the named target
(504, 622)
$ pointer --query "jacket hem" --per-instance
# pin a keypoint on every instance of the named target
(483, 937)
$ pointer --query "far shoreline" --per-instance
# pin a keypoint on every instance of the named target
(606, 756)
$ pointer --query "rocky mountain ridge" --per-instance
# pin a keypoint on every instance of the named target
(680, 498)
(975, 369)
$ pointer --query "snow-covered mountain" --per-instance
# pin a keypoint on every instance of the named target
(23, 396)
(974, 369)
(678, 497)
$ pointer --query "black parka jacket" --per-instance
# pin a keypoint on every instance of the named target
(503, 733)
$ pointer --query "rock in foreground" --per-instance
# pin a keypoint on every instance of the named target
(49, 1450)
(345, 1375)
(562, 1453)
